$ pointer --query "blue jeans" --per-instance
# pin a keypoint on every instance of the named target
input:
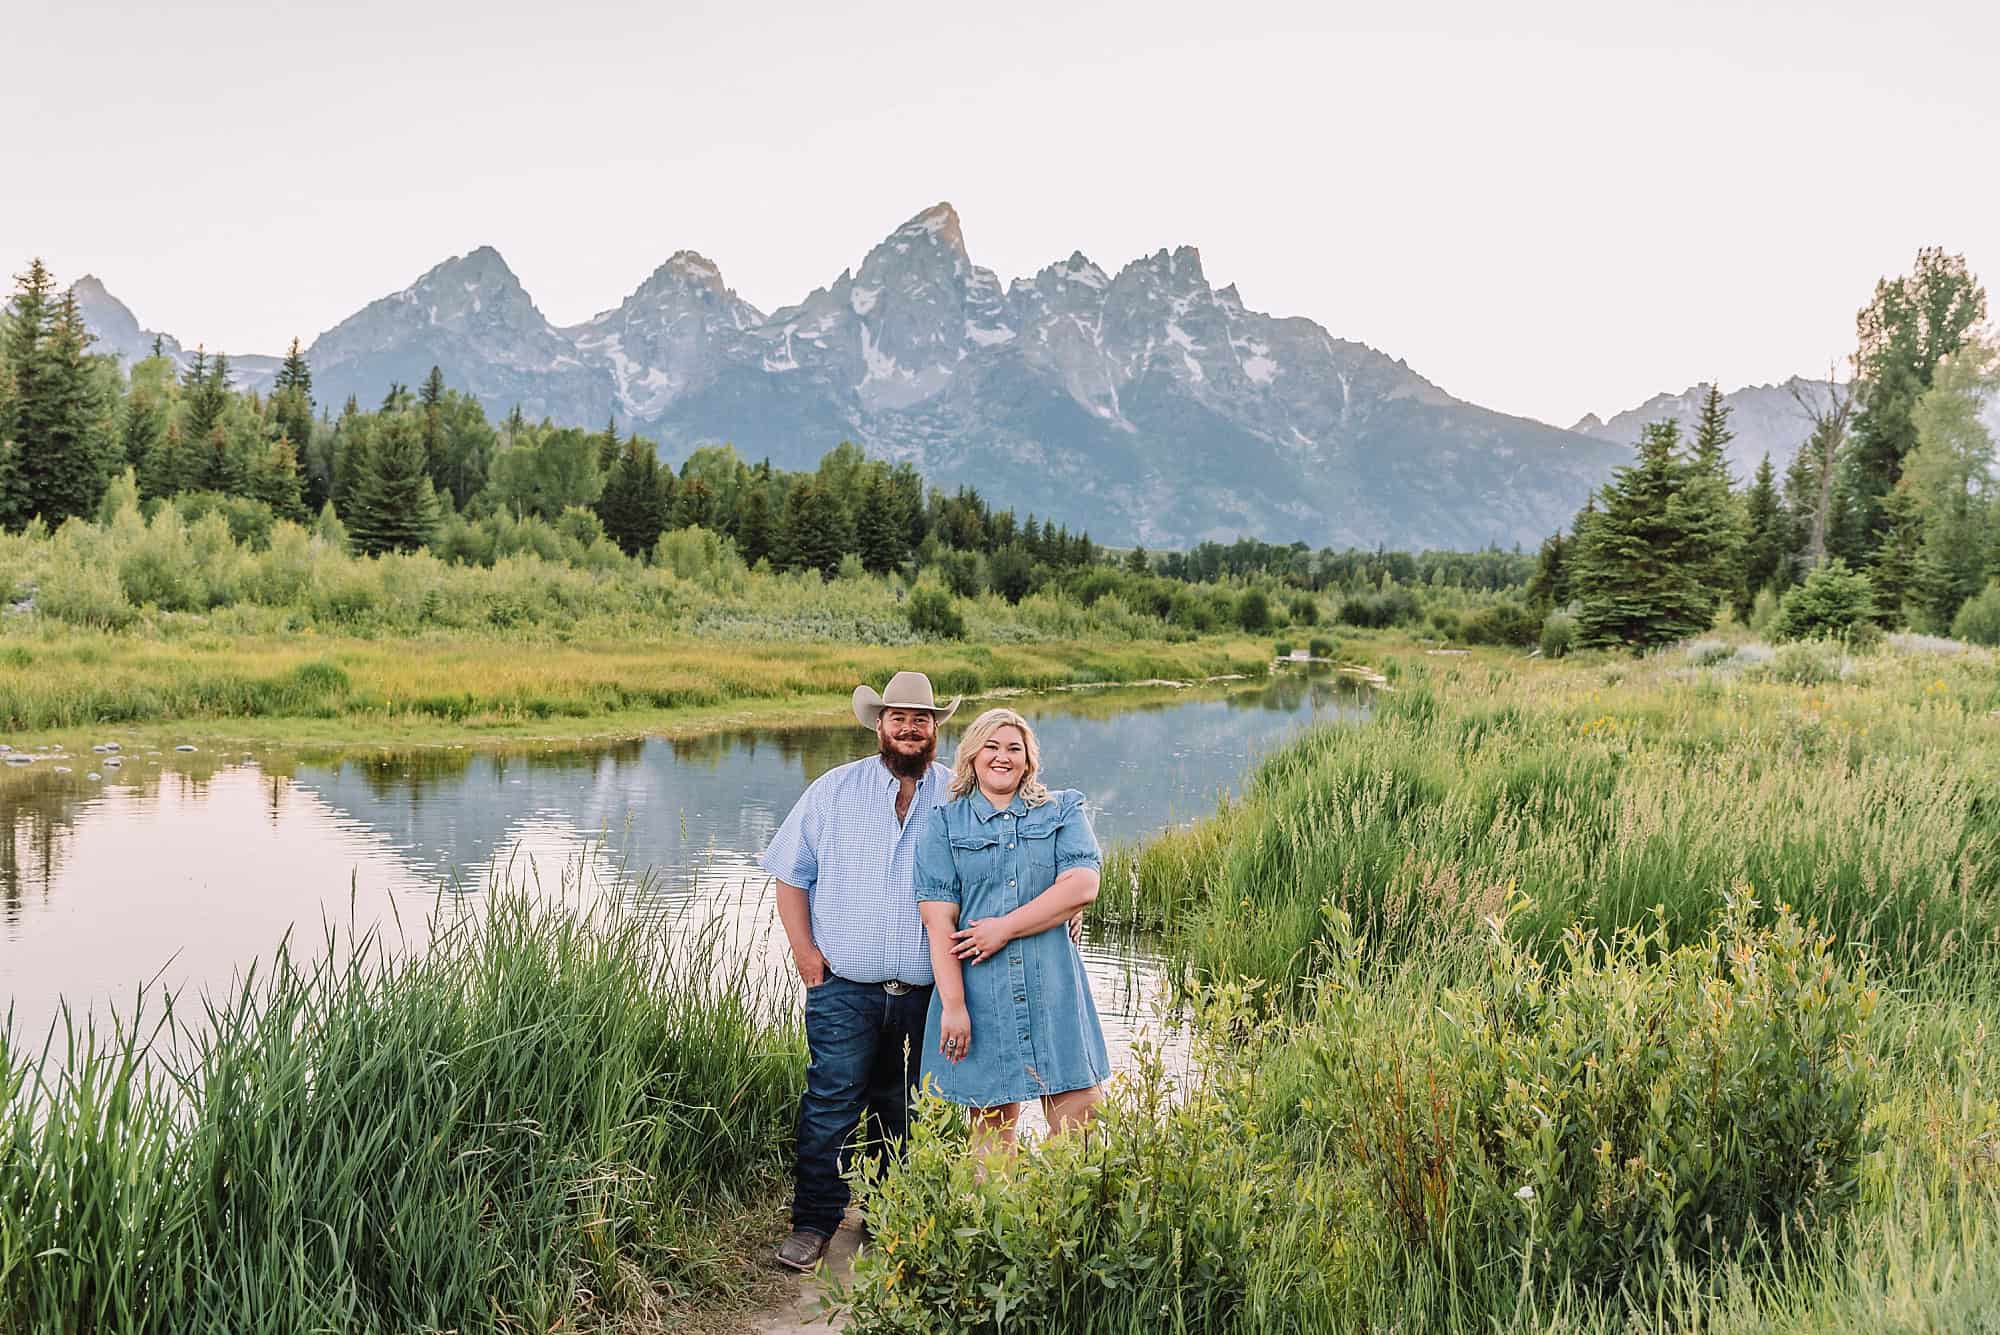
(864, 1048)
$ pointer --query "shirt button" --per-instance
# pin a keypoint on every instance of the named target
(1010, 843)
(1010, 883)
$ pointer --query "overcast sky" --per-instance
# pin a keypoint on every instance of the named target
(1547, 208)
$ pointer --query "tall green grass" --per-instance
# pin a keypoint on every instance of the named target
(1605, 795)
(549, 1116)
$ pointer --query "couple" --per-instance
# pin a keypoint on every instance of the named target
(931, 913)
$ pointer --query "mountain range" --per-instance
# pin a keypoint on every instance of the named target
(1144, 405)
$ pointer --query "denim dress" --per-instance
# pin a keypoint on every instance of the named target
(1035, 1029)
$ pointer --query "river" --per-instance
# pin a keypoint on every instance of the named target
(180, 868)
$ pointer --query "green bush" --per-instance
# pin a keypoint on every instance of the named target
(1253, 611)
(934, 615)
(1626, 1107)
(1395, 607)
(1559, 633)
(1305, 610)
(1505, 623)
(1978, 622)
(1445, 624)
(1284, 648)
(1163, 1207)
(1834, 603)
(1808, 663)
(1321, 647)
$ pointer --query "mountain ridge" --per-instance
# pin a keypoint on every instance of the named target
(1143, 404)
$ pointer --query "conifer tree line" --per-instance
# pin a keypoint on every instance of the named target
(1889, 506)
(408, 472)
(424, 468)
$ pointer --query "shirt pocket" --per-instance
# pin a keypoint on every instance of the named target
(978, 859)
(1038, 854)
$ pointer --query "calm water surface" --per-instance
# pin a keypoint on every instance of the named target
(185, 868)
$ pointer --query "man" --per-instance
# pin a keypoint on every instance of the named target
(843, 862)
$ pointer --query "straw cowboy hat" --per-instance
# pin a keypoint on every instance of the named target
(906, 690)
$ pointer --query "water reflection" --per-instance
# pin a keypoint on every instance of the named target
(191, 866)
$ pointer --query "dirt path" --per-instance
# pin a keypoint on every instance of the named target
(799, 1313)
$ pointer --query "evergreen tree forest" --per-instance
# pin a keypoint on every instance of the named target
(427, 469)
(1893, 494)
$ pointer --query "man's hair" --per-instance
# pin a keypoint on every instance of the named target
(963, 780)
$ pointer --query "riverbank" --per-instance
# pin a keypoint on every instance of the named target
(79, 688)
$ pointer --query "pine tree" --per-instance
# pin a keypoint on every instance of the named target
(1136, 562)
(54, 421)
(169, 468)
(1549, 588)
(607, 445)
(632, 506)
(273, 478)
(392, 505)
(694, 505)
(878, 528)
(814, 532)
(1709, 512)
(755, 532)
(1765, 541)
(1635, 573)
(1893, 571)
(430, 402)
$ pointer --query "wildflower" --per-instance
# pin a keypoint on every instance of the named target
(1525, 1194)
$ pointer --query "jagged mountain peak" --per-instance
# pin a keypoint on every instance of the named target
(940, 222)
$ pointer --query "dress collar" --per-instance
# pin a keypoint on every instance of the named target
(983, 807)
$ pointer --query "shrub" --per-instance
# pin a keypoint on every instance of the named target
(1164, 1206)
(1559, 633)
(1321, 647)
(1394, 607)
(1305, 610)
(1284, 648)
(934, 615)
(1834, 603)
(1978, 622)
(1505, 623)
(1445, 624)
(1253, 611)
(1763, 610)
(1627, 1105)
(1808, 663)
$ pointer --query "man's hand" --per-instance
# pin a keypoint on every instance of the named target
(811, 965)
(1076, 927)
(988, 936)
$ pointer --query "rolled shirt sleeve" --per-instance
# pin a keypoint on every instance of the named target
(793, 855)
(936, 869)
(1076, 842)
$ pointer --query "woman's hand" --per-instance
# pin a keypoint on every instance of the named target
(988, 936)
(955, 1033)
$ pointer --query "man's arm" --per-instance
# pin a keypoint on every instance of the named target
(795, 912)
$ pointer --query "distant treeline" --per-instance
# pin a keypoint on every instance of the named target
(426, 469)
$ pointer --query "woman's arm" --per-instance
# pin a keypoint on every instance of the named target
(1053, 907)
(940, 918)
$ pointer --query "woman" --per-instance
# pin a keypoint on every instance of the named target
(1012, 1016)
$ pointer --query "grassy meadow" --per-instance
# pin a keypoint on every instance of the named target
(182, 629)
(1592, 995)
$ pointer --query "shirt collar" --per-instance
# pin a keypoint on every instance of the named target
(888, 777)
(983, 807)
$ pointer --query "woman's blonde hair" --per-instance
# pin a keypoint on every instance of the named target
(964, 781)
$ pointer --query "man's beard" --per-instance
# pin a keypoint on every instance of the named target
(906, 766)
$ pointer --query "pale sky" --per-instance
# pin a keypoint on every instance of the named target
(1546, 208)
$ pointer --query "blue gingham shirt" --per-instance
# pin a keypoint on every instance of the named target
(843, 847)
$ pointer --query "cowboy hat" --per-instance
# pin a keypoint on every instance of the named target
(906, 690)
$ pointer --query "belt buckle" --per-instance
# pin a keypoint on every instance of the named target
(896, 987)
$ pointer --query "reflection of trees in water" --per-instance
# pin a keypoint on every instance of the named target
(418, 774)
(815, 750)
(37, 818)
(38, 814)
(1289, 690)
